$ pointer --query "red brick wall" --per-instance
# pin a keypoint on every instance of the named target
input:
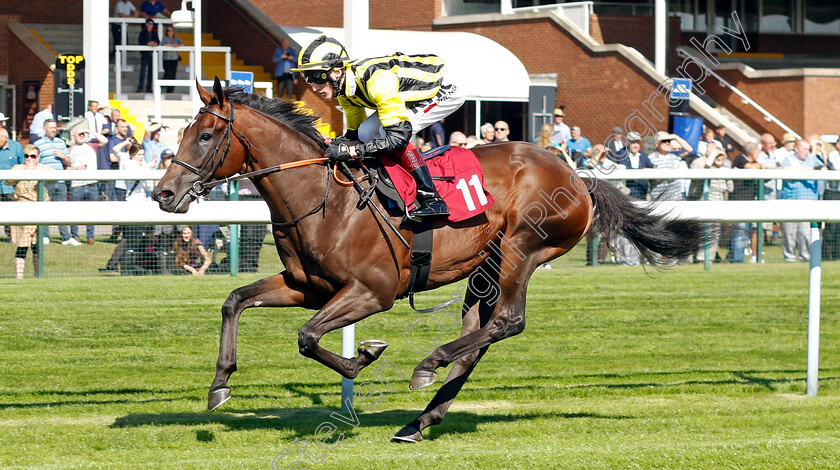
(416, 15)
(384, 14)
(44, 11)
(808, 105)
(600, 90)
(28, 67)
(325, 13)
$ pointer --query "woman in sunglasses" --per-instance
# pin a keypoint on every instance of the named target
(24, 236)
(408, 93)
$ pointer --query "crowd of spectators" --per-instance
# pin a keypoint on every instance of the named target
(715, 149)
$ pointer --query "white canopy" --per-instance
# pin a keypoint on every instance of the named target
(483, 68)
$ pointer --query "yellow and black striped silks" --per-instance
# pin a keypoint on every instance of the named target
(391, 85)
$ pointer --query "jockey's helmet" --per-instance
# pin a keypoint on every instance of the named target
(319, 58)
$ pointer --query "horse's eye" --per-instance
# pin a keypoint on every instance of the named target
(205, 137)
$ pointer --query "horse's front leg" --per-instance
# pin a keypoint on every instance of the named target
(275, 291)
(352, 303)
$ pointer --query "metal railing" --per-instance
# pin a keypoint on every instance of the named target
(124, 22)
(577, 13)
(744, 98)
(155, 50)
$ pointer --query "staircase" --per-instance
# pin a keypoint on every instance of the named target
(138, 108)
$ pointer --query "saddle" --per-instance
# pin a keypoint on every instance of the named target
(459, 180)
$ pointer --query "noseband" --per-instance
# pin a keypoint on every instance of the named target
(204, 185)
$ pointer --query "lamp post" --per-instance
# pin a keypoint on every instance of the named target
(183, 18)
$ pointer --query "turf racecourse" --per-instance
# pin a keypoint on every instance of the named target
(617, 368)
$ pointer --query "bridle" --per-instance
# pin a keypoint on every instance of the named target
(203, 186)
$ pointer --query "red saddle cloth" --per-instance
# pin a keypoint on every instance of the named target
(462, 187)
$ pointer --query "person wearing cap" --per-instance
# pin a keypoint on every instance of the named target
(666, 158)
(166, 159)
(148, 37)
(152, 144)
(407, 92)
(562, 133)
(635, 159)
(578, 145)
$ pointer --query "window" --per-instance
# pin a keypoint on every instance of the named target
(777, 16)
(822, 16)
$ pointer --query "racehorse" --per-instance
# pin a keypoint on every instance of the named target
(345, 262)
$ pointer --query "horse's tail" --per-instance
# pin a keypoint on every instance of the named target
(659, 240)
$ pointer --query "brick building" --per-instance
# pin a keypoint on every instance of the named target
(790, 67)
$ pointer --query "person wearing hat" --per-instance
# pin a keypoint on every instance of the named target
(562, 133)
(166, 159)
(788, 142)
(83, 157)
(666, 158)
(152, 144)
(3, 119)
(148, 37)
(635, 159)
(408, 94)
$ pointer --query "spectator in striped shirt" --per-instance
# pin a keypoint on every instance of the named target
(54, 154)
(666, 158)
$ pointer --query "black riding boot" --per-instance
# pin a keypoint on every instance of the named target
(429, 202)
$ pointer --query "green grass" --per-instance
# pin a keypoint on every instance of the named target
(617, 368)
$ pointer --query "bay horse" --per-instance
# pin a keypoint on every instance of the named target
(346, 263)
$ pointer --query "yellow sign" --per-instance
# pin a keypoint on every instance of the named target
(71, 64)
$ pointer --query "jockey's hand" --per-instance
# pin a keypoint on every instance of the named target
(338, 152)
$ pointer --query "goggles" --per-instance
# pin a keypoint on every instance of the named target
(318, 77)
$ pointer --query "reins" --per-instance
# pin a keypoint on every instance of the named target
(204, 185)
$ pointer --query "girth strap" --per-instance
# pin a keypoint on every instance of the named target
(421, 265)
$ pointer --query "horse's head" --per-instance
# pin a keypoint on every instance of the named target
(210, 150)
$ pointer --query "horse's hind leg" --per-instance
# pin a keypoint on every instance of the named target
(274, 291)
(475, 316)
(506, 296)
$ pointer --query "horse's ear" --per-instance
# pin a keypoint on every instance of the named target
(202, 92)
(219, 92)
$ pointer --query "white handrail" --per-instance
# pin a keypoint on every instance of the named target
(746, 99)
(157, 49)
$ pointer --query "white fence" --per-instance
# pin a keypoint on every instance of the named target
(62, 212)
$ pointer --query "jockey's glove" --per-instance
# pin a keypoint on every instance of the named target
(338, 152)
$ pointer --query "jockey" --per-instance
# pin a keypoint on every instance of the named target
(406, 91)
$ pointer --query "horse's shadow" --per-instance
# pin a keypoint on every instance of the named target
(302, 422)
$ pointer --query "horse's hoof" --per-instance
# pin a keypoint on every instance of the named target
(408, 434)
(372, 347)
(422, 378)
(217, 398)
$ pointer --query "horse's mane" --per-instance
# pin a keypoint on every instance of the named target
(285, 111)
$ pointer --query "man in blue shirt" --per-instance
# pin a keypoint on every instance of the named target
(578, 144)
(151, 8)
(54, 154)
(798, 234)
(152, 145)
(285, 57)
(11, 153)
